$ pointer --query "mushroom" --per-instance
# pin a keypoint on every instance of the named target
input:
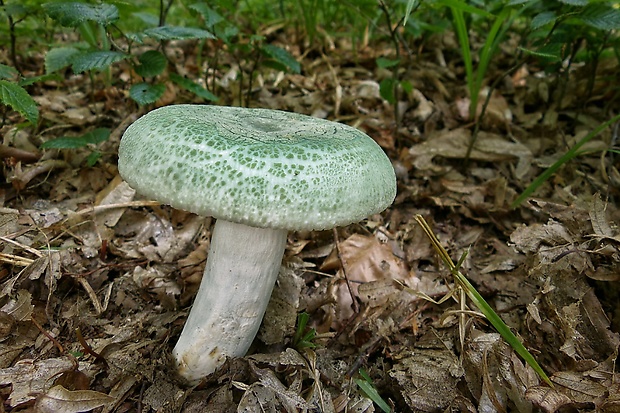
(260, 173)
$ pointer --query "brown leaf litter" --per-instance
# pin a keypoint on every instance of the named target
(80, 253)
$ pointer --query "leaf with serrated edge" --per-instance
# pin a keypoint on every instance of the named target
(59, 58)
(177, 33)
(96, 60)
(72, 14)
(144, 93)
(282, 56)
(152, 63)
(193, 87)
(7, 72)
(16, 97)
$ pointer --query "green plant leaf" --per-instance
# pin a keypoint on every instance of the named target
(16, 10)
(282, 56)
(551, 55)
(18, 98)
(572, 152)
(149, 19)
(27, 81)
(601, 16)
(574, 2)
(542, 19)
(59, 58)
(193, 87)
(7, 72)
(368, 388)
(385, 63)
(464, 7)
(479, 301)
(92, 159)
(386, 89)
(96, 60)
(72, 14)
(72, 142)
(177, 33)
(410, 4)
(152, 63)
(210, 16)
(144, 93)
(303, 337)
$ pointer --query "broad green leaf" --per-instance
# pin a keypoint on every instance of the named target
(517, 2)
(542, 18)
(144, 93)
(385, 63)
(386, 89)
(16, 10)
(282, 56)
(96, 60)
(72, 142)
(193, 87)
(210, 16)
(407, 86)
(148, 18)
(152, 63)
(16, 97)
(7, 72)
(177, 33)
(92, 159)
(59, 58)
(601, 16)
(72, 14)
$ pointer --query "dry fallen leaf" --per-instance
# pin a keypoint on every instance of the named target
(30, 378)
(453, 144)
(60, 400)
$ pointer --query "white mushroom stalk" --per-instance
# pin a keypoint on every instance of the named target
(260, 173)
(241, 271)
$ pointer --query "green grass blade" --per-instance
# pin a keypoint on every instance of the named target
(461, 32)
(482, 305)
(368, 388)
(500, 326)
(488, 51)
(573, 152)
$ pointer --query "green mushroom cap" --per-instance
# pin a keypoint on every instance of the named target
(259, 167)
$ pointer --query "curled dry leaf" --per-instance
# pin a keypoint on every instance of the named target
(19, 307)
(29, 377)
(365, 260)
(60, 400)
(453, 144)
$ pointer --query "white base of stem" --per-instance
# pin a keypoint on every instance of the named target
(242, 268)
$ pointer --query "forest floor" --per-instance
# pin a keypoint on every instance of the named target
(96, 282)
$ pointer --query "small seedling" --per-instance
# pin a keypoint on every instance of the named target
(368, 388)
(303, 335)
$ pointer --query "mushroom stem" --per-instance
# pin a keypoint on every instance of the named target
(241, 270)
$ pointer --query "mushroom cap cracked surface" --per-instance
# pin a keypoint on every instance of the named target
(260, 167)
